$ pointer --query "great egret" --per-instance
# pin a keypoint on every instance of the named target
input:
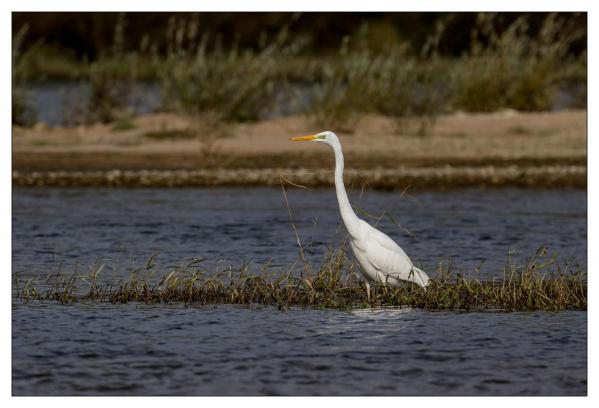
(379, 257)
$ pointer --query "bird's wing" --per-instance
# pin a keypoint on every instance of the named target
(380, 238)
(383, 253)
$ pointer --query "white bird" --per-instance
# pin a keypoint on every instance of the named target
(380, 259)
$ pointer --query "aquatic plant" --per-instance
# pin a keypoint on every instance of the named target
(539, 283)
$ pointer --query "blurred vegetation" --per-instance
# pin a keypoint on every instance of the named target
(239, 84)
(207, 68)
(514, 70)
(23, 113)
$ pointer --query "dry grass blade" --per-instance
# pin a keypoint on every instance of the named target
(299, 243)
(540, 283)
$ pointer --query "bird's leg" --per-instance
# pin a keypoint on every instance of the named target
(368, 290)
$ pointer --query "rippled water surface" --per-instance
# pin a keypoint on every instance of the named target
(138, 349)
(172, 349)
(52, 226)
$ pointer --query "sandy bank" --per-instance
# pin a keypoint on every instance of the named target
(497, 149)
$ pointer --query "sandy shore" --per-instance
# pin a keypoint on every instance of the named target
(499, 149)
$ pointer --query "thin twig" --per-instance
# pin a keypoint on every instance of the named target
(299, 243)
(405, 192)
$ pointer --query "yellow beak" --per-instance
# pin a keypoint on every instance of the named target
(303, 138)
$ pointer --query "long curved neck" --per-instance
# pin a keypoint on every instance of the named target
(350, 219)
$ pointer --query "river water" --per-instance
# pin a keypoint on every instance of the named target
(57, 102)
(135, 349)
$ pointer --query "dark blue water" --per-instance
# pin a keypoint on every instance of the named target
(135, 349)
(165, 350)
(229, 226)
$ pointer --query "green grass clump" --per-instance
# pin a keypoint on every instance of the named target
(537, 284)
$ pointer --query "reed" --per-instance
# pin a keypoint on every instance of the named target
(395, 83)
(539, 283)
(199, 76)
(111, 78)
(512, 70)
(504, 68)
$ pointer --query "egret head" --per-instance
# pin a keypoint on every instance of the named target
(324, 137)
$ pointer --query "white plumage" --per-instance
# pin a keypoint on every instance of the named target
(379, 257)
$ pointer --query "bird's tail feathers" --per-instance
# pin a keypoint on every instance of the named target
(419, 277)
